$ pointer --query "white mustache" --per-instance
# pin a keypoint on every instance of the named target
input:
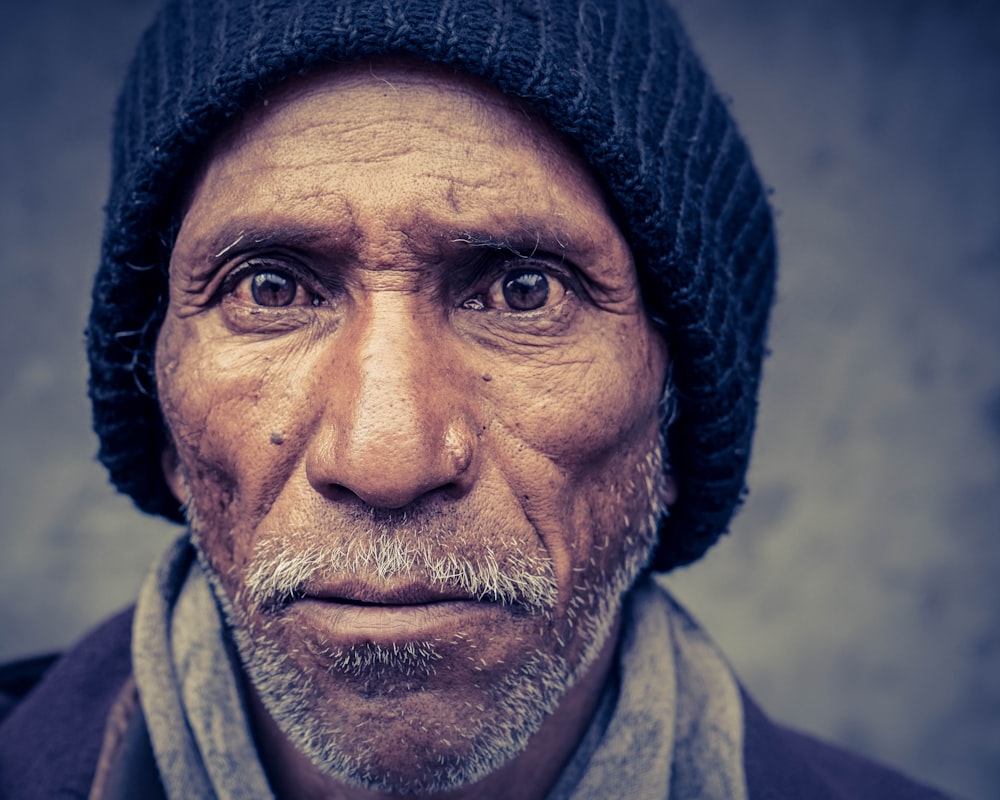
(281, 572)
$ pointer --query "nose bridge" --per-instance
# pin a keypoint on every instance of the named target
(396, 427)
(399, 398)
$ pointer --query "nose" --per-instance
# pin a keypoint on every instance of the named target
(396, 425)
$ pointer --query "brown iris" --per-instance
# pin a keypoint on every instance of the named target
(525, 290)
(272, 289)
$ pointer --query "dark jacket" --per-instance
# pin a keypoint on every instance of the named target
(50, 738)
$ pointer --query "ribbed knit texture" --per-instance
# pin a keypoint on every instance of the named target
(619, 79)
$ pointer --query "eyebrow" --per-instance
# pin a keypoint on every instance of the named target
(522, 237)
(527, 242)
(492, 243)
(234, 239)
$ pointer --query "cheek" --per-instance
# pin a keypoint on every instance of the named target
(232, 418)
(578, 442)
(590, 401)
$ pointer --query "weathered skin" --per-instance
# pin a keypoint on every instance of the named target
(398, 385)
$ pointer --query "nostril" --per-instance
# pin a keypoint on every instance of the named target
(340, 494)
(367, 502)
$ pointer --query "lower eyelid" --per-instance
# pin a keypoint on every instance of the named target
(546, 313)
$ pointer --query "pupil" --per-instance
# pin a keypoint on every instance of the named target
(272, 289)
(526, 290)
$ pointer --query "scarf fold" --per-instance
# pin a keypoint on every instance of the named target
(670, 728)
(188, 686)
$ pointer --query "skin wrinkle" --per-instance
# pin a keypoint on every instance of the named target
(606, 294)
(532, 497)
(204, 283)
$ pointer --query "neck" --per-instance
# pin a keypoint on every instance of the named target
(528, 776)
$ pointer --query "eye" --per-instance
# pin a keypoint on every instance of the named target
(268, 287)
(519, 290)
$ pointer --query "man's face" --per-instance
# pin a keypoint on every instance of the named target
(413, 395)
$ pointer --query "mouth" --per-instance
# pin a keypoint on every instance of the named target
(361, 594)
(359, 613)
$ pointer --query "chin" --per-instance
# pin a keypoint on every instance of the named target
(405, 727)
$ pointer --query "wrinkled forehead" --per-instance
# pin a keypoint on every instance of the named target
(373, 117)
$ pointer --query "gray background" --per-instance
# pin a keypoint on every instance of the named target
(858, 595)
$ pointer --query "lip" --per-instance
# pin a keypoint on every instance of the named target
(361, 594)
(355, 611)
(395, 620)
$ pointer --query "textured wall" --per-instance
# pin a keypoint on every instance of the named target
(859, 595)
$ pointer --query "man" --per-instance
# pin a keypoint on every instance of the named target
(441, 326)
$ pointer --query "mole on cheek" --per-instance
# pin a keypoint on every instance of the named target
(277, 438)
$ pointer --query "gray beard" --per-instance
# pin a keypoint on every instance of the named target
(516, 706)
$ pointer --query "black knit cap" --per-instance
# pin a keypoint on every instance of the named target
(616, 77)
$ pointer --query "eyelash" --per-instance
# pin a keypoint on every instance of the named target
(480, 275)
(493, 265)
(252, 266)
